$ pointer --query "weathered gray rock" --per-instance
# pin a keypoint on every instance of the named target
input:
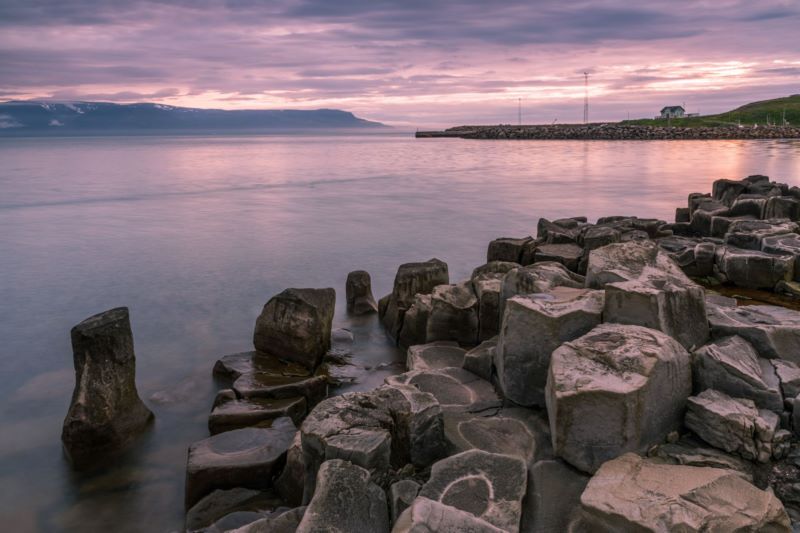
(270, 385)
(291, 481)
(454, 388)
(278, 522)
(749, 204)
(506, 249)
(782, 207)
(691, 451)
(539, 277)
(598, 236)
(382, 429)
(454, 314)
(749, 234)
(787, 244)
(633, 494)
(703, 215)
(487, 282)
(415, 322)
(599, 385)
(726, 191)
(480, 360)
(358, 291)
(223, 502)
(230, 412)
(426, 516)
(735, 425)
(732, 366)
(411, 279)
(401, 495)
(645, 287)
(249, 458)
(753, 269)
(720, 225)
(789, 377)
(534, 326)
(554, 497)
(105, 413)
(434, 355)
(773, 331)
(487, 485)
(345, 500)
(296, 325)
(551, 233)
(568, 255)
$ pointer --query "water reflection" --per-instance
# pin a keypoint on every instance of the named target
(194, 235)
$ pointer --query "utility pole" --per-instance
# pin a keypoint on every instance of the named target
(586, 98)
(519, 112)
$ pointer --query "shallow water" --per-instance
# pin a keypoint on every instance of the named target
(194, 234)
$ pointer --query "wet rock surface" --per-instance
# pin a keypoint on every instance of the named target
(105, 413)
(359, 293)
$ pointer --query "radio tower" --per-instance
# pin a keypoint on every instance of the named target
(586, 98)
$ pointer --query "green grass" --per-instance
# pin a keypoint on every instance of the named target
(754, 113)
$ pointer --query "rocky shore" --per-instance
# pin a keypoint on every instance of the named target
(614, 132)
(580, 380)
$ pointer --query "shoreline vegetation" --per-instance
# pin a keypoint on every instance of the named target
(769, 119)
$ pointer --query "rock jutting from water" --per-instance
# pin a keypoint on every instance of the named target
(581, 380)
(105, 413)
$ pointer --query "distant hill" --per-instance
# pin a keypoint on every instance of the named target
(55, 118)
(772, 111)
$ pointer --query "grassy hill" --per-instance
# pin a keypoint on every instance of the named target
(754, 113)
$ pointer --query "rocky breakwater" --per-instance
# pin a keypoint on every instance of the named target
(615, 132)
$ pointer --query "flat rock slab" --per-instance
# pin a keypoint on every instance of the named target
(435, 355)
(487, 485)
(426, 516)
(345, 500)
(233, 366)
(248, 458)
(732, 366)
(269, 385)
(514, 431)
(633, 494)
(453, 388)
(615, 389)
(773, 331)
(234, 413)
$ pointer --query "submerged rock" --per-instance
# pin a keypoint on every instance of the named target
(105, 413)
(599, 386)
(345, 500)
(296, 325)
(249, 458)
(633, 494)
(358, 291)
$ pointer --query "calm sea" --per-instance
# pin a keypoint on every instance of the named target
(194, 234)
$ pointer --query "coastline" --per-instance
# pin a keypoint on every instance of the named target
(612, 132)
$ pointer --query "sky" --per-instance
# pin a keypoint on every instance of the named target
(410, 63)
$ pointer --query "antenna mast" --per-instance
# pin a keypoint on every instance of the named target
(586, 98)
(519, 112)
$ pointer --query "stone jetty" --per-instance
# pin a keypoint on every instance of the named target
(583, 379)
(613, 132)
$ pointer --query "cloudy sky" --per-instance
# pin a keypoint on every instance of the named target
(408, 62)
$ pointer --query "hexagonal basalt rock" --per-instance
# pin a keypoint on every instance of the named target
(411, 279)
(534, 326)
(773, 331)
(454, 314)
(230, 412)
(749, 234)
(568, 255)
(249, 457)
(753, 269)
(426, 515)
(415, 322)
(616, 389)
(539, 277)
(454, 388)
(507, 249)
(440, 354)
(480, 360)
(487, 485)
(359, 293)
(296, 325)
(633, 494)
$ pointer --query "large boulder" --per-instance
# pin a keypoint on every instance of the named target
(753, 269)
(634, 494)
(533, 327)
(773, 331)
(616, 389)
(782, 207)
(568, 255)
(424, 516)
(345, 500)
(378, 430)
(645, 287)
(749, 234)
(489, 486)
(249, 457)
(358, 290)
(105, 413)
(440, 354)
(415, 322)
(507, 249)
(487, 282)
(732, 366)
(727, 191)
(296, 325)
(787, 244)
(411, 279)
(454, 314)
(735, 425)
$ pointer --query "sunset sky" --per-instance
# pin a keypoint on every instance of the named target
(407, 63)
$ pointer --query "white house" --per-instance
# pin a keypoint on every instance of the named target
(674, 111)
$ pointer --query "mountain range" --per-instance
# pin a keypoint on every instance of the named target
(56, 118)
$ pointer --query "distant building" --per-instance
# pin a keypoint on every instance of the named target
(674, 111)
